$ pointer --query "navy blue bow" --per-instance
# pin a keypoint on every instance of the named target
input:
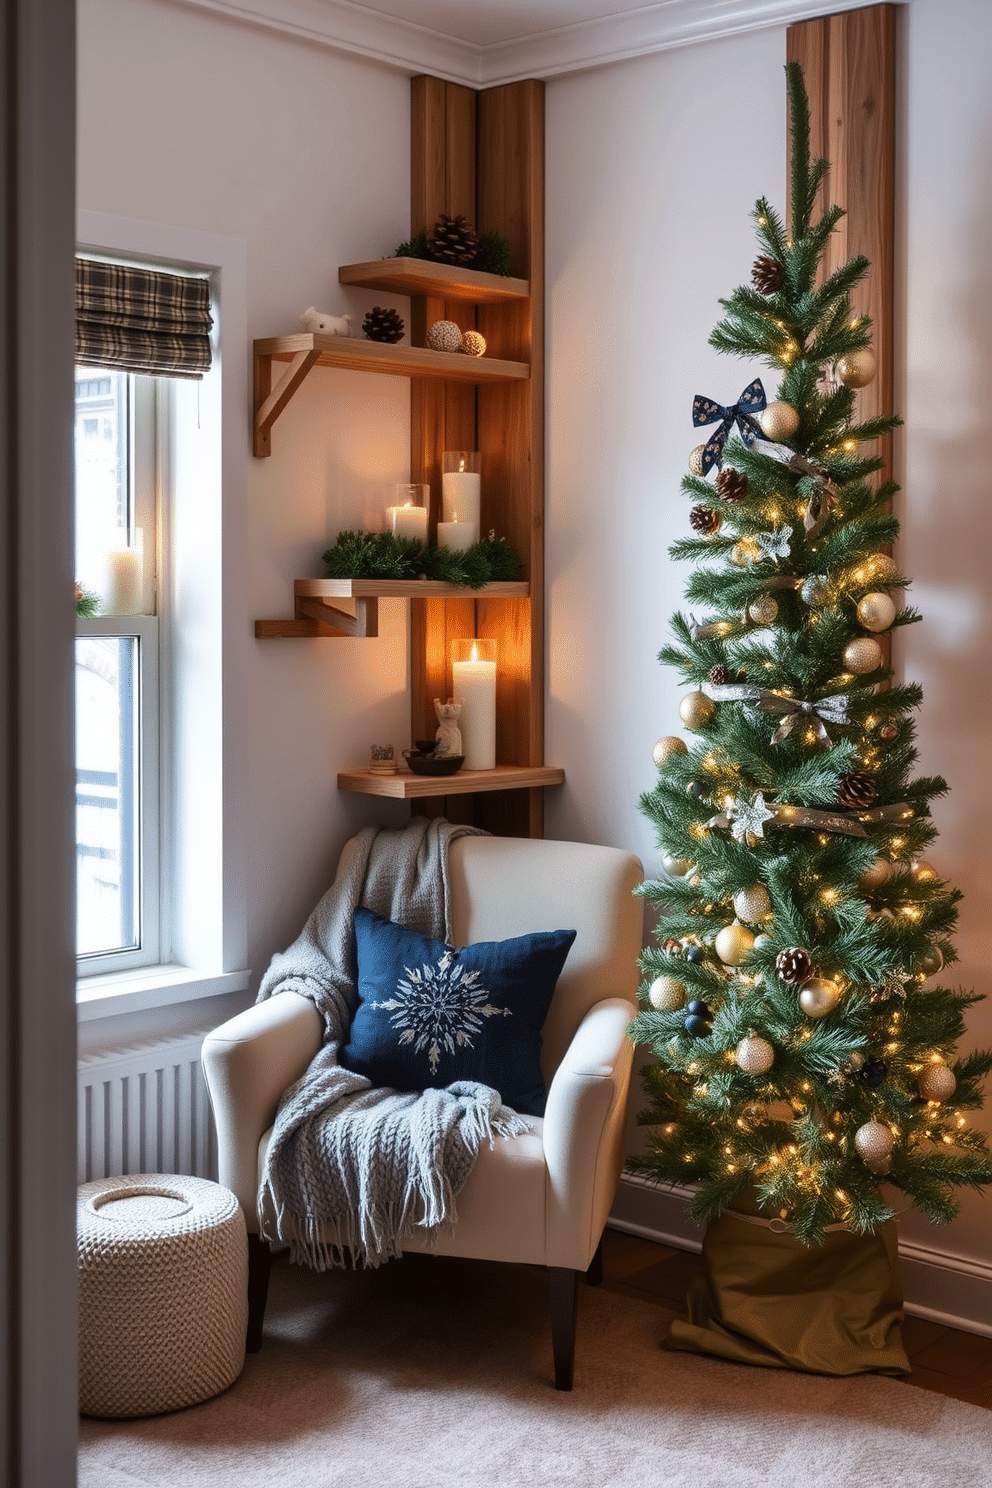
(705, 411)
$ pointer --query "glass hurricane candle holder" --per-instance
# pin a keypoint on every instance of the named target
(408, 518)
(473, 673)
(461, 491)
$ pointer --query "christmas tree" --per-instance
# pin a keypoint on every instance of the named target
(804, 1045)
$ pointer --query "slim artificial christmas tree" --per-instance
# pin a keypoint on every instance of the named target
(805, 1055)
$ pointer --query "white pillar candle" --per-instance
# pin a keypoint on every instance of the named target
(474, 686)
(456, 535)
(123, 589)
(461, 489)
(408, 521)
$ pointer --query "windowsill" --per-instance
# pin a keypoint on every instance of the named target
(150, 987)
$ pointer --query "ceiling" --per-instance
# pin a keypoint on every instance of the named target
(482, 43)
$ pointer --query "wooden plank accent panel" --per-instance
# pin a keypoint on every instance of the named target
(849, 63)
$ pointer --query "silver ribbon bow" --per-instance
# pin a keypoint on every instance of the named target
(793, 711)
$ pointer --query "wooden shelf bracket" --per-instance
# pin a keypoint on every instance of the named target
(269, 401)
(322, 617)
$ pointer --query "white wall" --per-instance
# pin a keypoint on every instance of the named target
(304, 155)
(653, 168)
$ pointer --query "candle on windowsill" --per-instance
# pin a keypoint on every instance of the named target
(124, 579)
(461, 488)
(473, 672)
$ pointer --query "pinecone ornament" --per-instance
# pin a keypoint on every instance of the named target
(767, 275)
(704, 520)
(794, 966)
(383, 325)
(453, 240)
(856, 790)
(731, 485)
(721, 675)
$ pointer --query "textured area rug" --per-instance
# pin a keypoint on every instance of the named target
(433, 1371)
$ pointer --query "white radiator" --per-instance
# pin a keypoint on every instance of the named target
(145, 1109)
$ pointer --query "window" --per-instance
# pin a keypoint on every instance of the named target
(118, 416)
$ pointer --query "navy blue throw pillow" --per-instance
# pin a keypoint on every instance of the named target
(429, 1015)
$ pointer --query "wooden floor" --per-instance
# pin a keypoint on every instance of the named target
(945, 1360)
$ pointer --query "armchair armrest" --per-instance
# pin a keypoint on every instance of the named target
(248, 1062)
(583, 1132)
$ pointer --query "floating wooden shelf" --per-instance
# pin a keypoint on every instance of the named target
(415, 276)
(405, 786)
(305, 350)
(319, 613)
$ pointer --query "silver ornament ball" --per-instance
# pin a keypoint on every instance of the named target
(779, 420)
(819, 996)
(937, 1082)
(752, 905)
(754, 1055)
(444, 335)
(733, 943)
(862, 655)
(876, 612)
(665, 747)
(856, 369)
(696, 710)
(815, 589)
(666, 995)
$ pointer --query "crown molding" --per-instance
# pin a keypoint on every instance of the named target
(349, 27)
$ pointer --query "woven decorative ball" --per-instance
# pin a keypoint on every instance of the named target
(163, 1293)
(937, 1082)
(733, 943)
(752, 905)
(731, 485)
(856, 369)
(444, 335)
(473, 343)
(876, 612)
(696, 710)
(762, 610)
(819, 997)
(706, 521)
(696, 459)
(874, 1142)
(665, 747)
(779, 420)
(794, 966)
(754, 1055)
(857, 790)
(665, 994)
(862, 655)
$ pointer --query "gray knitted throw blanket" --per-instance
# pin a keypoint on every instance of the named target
(370, 1166)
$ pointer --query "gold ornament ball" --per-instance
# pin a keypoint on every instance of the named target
(874, 1142)
(754, 1055)
(696, 459)
(819, 997)
(666, 995)
(879, 873)
(733, 943)
(876, 612)
(937, 1082)
(743, 553)
(665, 747)
(882, 566)
(752, 905)
(862, 655)
(856, 369)
(763, 610)
(473, 343)
(924, 872)
(931, 961)
(696, 710)
(676, 867)
(779, 420)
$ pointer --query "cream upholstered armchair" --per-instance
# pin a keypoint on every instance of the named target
(541, 1198)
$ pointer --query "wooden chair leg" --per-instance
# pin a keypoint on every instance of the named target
(594, 1274)
(563, 1286)
(259, 1266)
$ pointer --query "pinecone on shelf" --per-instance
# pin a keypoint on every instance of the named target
(856, 790)
(766, 274)
(705, 520)
(720, 675)
(383, 325)
(671, 946)
(794, 966)
(731, 485)
(453, 240)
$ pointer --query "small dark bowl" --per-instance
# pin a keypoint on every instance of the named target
(425, 746)
(425, 764)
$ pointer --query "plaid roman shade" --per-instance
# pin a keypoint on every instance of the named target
(142, 320)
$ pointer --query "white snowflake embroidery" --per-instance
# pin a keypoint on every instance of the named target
(439, 1008)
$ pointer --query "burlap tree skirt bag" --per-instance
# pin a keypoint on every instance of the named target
(767, 1299)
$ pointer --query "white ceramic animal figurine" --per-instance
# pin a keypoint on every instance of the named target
(327, 325)
(449, 735)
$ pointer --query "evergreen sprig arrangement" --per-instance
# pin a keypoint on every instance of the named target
(87, 603)
(492, 255)
(380, 555)
(804, 1055)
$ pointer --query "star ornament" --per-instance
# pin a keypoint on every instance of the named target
(747, 818)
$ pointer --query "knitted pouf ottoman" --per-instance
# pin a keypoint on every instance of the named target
(163, 1287)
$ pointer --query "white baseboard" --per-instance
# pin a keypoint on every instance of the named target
(947, 1289)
